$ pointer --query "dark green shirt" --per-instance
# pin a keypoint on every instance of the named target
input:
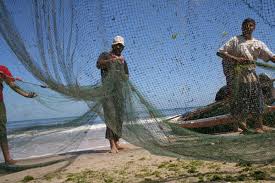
(105, 69)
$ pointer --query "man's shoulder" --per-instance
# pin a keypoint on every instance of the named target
(234, 39)
(104, 54)
(5, 73)
(239, 38)
(257, 41)
(4, 69)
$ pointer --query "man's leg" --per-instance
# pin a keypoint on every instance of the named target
(119, 147)
(241, 122)
(3, 135)
(259, 124)
(259, 127)
(113, 146)
(236, 127)
(5, 150)
(242, 125)
(118, 133)
(111, 137)
(6, 153)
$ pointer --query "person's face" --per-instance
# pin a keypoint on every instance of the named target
(117, 48)
(248, 28)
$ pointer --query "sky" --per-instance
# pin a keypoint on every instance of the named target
(170, 49)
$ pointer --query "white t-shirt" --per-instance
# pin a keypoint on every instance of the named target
(252, 49)
(240, 47)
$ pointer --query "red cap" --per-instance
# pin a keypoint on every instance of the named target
(5, 73)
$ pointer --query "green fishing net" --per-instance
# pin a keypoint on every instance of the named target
(173, 72)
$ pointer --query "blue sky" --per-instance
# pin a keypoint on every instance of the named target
(170, 49)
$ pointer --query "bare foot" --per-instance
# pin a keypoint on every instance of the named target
(11, 162)
(238, 130)
(267, 129)
(119, 147)
(114, 150)
(259, 130)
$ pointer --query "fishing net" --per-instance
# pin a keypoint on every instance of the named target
(173, 72)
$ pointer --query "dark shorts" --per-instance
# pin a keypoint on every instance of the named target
(111, 135)
(3, 121)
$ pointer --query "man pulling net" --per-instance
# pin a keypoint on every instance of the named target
(6, 76)
(113, 103)
(243, 87)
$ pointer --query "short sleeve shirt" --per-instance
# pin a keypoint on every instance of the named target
(5, 75)
(107, 56)
(251, 49)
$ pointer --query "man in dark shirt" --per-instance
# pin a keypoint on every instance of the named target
(6, 76)
(113, 104)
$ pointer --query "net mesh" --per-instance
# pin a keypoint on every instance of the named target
(171, 54)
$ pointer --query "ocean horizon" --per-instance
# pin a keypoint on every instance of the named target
(32, 124)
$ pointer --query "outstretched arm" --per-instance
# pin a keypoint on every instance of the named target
(19, 90)
(226, 55)
(265, 53)
(229, 47)
(6, 75)
(238, 60)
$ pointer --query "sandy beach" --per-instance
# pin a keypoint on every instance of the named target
(134, 164)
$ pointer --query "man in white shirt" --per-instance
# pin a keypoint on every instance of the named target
(239, 56)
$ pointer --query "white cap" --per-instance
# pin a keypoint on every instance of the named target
(118, 40)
